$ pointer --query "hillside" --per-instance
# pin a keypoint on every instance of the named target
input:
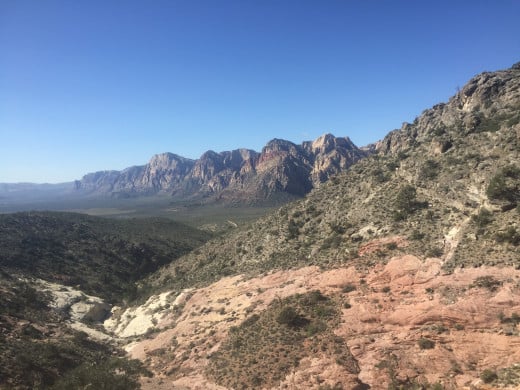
(444, 186)
(102, 256)
(43, 343)
(39, 350)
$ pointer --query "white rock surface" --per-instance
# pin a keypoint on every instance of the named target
(138, 320)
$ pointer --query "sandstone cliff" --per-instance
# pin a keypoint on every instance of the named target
(282, 169)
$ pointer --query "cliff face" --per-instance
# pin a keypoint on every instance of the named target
(163, 171)
(282, 169)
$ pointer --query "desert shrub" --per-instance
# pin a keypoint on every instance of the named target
(491, 124)
(505, 185)
(260, 353)
(434, 252)
(483, 218)
(401, 155)
(406, 202)
(514, 120)
(332, 241)
(425, 343)
(514, 319)
(289, 316)
(459, 327)
(392, 165)
(510, 236)
(293, 228)
(315, 327)
(313, 298)
(348, 288)
(116, 374)
(487, 281)
(380, 176)
(391, 245)
(488, 375)
(406, 197)
(429, 170)
(417, 235)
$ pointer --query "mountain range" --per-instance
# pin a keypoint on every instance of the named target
(281, 170)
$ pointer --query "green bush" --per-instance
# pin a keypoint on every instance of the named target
(429, 170)
(392, 246)
(487, 281)
(261, 352)
(511, 236)
(483, 218)
(289, 316)
(417, 235)
(380, 176)
(435, 252)
(294, 230)
(315, 327)
(406, 202)
(425, 343)
(349, 287)
(488, 376)
(505, 185)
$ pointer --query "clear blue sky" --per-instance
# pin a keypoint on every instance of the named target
(89, 85)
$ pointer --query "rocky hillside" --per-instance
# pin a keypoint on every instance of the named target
(401, 325)
(102, 256)
(282, 170)
(40, 350)
(438, 187)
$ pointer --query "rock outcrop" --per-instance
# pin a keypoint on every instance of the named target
(282, 169)
(486, 103)
(406, 324)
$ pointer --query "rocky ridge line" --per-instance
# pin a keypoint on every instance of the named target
(281, 169)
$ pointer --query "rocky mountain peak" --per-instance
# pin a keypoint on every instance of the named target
(324, 143)
(327, 143)
(169, 162)
(487, 102)
(279, 145)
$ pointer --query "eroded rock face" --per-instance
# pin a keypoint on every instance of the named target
(391, 310)
(239, 175)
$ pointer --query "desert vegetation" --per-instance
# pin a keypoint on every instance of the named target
(267, 345)
(103, 256)
(40, 351)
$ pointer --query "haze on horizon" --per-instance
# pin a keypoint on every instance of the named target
(95, 85)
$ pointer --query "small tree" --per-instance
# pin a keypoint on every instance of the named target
(406, 198)
(483, 218)
(287, 316)
(429, 170)
(488, 376)
(406, 202)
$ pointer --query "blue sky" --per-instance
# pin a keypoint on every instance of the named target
(89, 85)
